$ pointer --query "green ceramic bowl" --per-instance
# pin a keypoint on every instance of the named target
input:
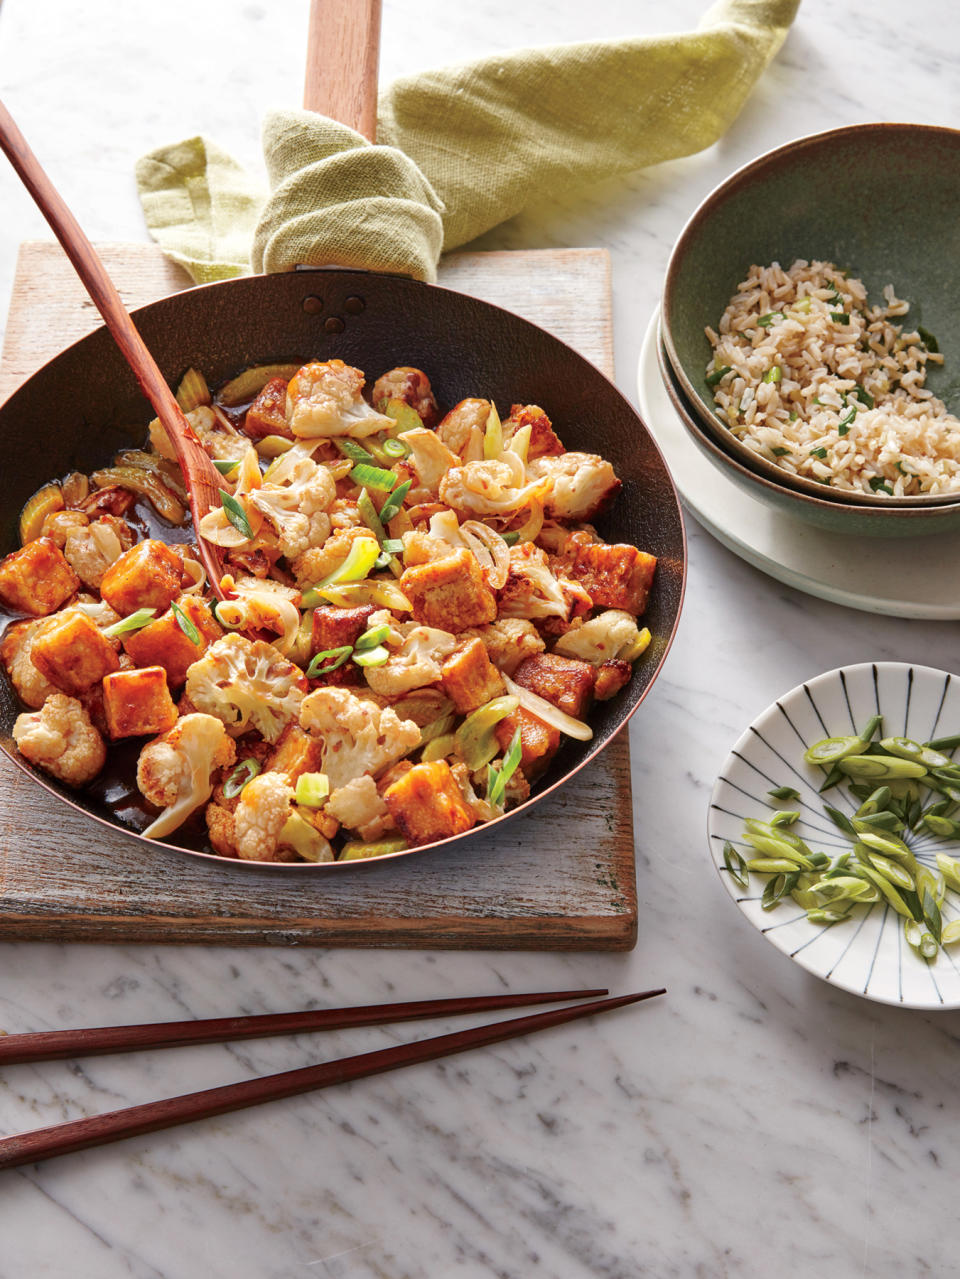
(834, 516)
(880, 200)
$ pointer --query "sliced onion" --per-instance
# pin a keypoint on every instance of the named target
(529, 531)
(515, 464)
(216, 528)
(107, 542)
(490, 549)
(549, 713)
(197, 573)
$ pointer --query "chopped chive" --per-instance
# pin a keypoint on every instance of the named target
(839, 317)
(843, 426)
(736, 865)
(236, 514)
(395, 501)
(770, 318)
(718, 374)
(773, 374)
(511, 538)
(928, 340)
(132, 622)
(784, 792)
(188, 628)
(224, 465)
(375, 656)
(244, 772)
(373, 477)
(327, 661)
(818, 452)
(779, 451)
(793, 415)
(880, 485)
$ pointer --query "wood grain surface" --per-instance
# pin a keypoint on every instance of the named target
(559, 878)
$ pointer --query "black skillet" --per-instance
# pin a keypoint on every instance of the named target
(77, 410)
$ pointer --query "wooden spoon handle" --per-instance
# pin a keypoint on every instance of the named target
(198, 471)
(343, 57)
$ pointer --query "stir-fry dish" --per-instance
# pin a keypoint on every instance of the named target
(418, 610)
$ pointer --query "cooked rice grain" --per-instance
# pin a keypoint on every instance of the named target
(831, 388)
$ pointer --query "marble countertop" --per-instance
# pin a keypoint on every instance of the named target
(755, 1122)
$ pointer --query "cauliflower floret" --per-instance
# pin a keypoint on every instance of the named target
(360, 807)
(246, 684)
(215, 431)
(16, 648)
(175, 770)
(325, 400)
(358, 736)
(260, 817)
(296, 505)
(580, 485)
(320, 561)
(463, 427)
(261, 603)
(490, 488)
(416, 663)
(508, 641)
(61, 739)
(429, 460)
(600, 638)
(91, 550)
(531, 590)
(410, 386)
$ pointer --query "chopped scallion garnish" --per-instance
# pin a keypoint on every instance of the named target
(818, 452)
(244, 772)
(779, 451)
(375, 656)
(373, 477)
(773, 374)
(311, 790)
(863, 396)
(236, 514)
(188, 628)
(770, 318)
(132, 622)
(497, 784)
(396, 448)
(327, 661)
(371, 638)
(718, 374)
(880, 485)
(928, 340)
(839, 317)
(395, 501)
(224, 465)
(356, 452)
(511, 538)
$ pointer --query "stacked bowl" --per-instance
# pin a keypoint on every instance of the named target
(879, 201)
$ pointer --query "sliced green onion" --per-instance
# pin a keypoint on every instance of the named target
(244, 772)
(236, 514)
(832, 749)
(476, 742)
(224, 465)
(942, 827)
(906, 748)
(311, 790)
(393, 545)
(373, 477)
(356, 452)
(511, 538)
(396, 448)
(818, 452)
(784, 792)
(383, 560)
(928, 340)
(371, 638)
(863, 396)
(786, 817)
(944, 743)
(773, 374)
(718, 375)
(736, 866)
(779, 451)
(327, 661)
(951, 933)
(839, 317)
(376, 656)
(511, 759)
(393, 503)
(188, 628)
(492, 434)
(880, 485)
(770, 318)
(437, 728)
(368, 513)
(359, 561)
(356, 850)
(931, 913)
(132, 622)
(843, 426)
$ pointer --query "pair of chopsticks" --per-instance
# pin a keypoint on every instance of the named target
(98, 1130)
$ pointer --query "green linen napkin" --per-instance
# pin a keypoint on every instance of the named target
(458, 150)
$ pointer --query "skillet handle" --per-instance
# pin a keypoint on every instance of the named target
(343, 57)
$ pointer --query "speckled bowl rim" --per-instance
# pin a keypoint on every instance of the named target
(746, 173)
(725, 461)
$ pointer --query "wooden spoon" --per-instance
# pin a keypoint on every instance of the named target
(343, 55)
(202, 480)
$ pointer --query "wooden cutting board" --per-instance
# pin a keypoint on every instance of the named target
(560, 878)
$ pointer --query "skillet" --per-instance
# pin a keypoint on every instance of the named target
(77, 410)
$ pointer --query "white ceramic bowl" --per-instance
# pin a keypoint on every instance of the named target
(866, 954)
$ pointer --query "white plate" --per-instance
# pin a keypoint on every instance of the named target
(866, 954)
(900, 577)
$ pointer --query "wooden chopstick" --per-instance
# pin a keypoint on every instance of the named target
(54, 1045)
(98, 1130)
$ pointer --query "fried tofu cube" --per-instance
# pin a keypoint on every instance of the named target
(426, 804)
(37, 579)
(449, 593)
(566, 682)
(616, 576)
(333, 628)
(138, 702)
(296, 753)
(544, 441)
(267, 415)
(146, 576)
(538, 741)
(164, 643)
(469, 678)
(610, 677)
(71, 651)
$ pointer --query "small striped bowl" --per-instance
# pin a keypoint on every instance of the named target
(866, 954)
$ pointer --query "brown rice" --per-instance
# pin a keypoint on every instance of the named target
(828, 387)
